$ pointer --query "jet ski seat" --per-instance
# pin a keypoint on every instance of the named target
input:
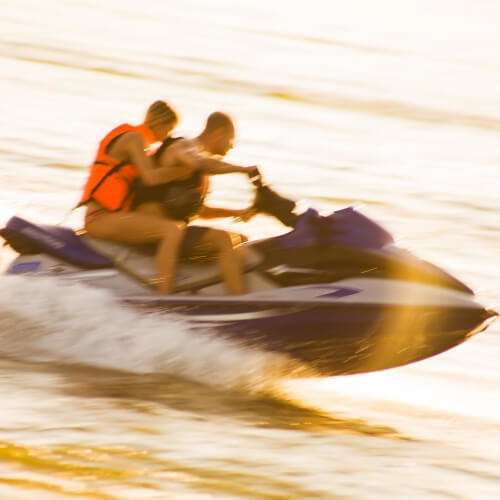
(90, 253)
(137, 261)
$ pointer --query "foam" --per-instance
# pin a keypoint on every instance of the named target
(43, 319)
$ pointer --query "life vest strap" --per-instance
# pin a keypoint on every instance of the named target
(111, 171)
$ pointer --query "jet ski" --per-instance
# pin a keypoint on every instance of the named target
(334, 292)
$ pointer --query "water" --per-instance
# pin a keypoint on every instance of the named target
(394, 105)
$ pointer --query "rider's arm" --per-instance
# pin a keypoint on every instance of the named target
(216, 212)
(213, 166)
(186, 154)
(131, 146)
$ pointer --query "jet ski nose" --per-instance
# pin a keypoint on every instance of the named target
(490, 315)
(487, 317)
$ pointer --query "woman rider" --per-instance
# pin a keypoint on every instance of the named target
(109, 191)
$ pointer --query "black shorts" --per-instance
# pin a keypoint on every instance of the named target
(192, 239)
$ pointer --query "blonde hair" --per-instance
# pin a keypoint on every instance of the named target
(160, 113)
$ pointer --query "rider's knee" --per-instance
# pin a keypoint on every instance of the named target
(173, 231)
(221, 240)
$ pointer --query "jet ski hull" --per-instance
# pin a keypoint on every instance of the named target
(332, 339)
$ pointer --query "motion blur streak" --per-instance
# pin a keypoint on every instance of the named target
(392, 104)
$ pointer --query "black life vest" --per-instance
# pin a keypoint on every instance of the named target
(182, 199)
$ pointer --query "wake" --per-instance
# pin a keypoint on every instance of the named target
(46, 320)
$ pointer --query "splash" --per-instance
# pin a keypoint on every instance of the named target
(47, 320)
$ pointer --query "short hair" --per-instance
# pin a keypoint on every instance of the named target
(218, 120)
(160, 113)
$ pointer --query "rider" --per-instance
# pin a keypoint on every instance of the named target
(122, 158)
(184, 199)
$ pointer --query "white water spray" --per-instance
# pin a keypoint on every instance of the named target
(51, 321)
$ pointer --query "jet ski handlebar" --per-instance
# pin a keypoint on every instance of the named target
(270, 202)
(255, 177)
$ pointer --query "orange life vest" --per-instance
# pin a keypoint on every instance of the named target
(110, 182)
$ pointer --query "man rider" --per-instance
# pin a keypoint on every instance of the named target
(195, 160)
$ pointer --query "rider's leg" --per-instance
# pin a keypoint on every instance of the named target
(219, 241)
(151, 208)
(133, 227)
